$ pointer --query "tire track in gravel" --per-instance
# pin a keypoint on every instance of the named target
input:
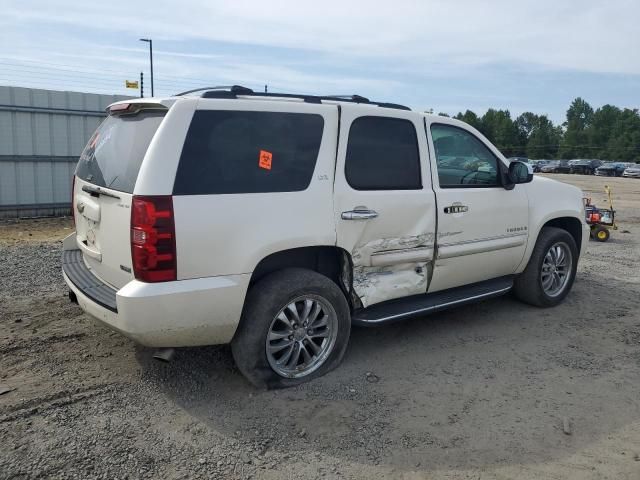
(41, 342)
(38, 405)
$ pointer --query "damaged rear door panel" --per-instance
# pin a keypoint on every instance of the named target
(384, 204)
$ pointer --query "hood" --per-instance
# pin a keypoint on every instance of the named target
(546, 183)
(550, 198)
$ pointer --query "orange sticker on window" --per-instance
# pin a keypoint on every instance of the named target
(265, 159)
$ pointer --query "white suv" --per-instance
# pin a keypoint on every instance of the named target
(276, 221)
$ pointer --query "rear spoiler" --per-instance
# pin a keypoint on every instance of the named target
(133, 108)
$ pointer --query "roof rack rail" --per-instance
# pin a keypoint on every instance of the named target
(351, 98)
(234, 91)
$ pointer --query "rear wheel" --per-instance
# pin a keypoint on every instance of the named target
(551, 270)
(295, 327)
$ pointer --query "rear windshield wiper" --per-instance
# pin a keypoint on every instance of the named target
(98, 191)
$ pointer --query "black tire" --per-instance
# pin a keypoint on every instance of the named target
(527, 286)
(264, 301)
(601, 234)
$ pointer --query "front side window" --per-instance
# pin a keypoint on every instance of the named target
(382, 154)
(462, 159)
(230, 151)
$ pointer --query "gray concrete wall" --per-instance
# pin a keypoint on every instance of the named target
(42, 133)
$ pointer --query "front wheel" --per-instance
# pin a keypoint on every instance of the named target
(551, 270)
(295, 327)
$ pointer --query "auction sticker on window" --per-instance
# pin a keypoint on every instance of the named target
(265, 159)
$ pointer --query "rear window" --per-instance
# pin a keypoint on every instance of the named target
(248, 152)
(113, 156)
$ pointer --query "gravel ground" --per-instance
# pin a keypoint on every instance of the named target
(494, 390)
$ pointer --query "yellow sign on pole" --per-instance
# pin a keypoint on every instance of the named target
(129, 84)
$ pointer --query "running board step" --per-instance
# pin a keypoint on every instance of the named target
(417, 305)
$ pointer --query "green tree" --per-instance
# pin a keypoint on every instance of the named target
(525, 123)
(609, 133)
(544, 138)
(624, 141)
(575, 142)
(602, 129)
(498, 127)
(469, 117)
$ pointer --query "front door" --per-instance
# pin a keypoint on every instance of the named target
(384, 204)
(482, 227)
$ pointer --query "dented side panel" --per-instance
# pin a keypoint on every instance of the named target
(375, 284)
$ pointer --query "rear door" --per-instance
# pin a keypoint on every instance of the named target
(105, 178)
(384, 204)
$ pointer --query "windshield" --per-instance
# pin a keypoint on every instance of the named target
(113, 156)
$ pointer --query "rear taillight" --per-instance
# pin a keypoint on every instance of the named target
(153, 239)
(73, 200)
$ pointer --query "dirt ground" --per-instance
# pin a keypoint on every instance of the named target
(482, 391)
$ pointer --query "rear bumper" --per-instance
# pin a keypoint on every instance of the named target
(203, 311)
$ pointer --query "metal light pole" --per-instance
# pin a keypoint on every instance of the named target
(150, 42)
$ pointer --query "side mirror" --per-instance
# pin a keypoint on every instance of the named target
(520, 172)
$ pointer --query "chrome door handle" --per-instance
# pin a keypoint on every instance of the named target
(359, 214)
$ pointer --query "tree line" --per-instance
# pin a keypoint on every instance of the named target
(607, 133)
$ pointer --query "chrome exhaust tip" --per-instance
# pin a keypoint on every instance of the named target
(164, 354)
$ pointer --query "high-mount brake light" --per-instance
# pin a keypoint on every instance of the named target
(153, 239)
(119, 107)
(134, 108)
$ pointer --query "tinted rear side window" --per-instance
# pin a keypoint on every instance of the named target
(382, 154)
(113, 156)
(248, 152)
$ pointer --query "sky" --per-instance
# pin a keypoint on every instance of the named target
(445, 55)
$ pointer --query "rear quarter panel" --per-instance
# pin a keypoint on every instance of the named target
(160, 163)
(229, 234)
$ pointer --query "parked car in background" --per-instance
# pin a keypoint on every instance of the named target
(611, 169)
(556, 166)
(538, 164)
(585, 167)
(632, 172)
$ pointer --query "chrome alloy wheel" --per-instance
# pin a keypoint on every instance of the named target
(556, 269)
(301, 336)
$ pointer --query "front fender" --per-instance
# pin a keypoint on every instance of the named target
(552, 200)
